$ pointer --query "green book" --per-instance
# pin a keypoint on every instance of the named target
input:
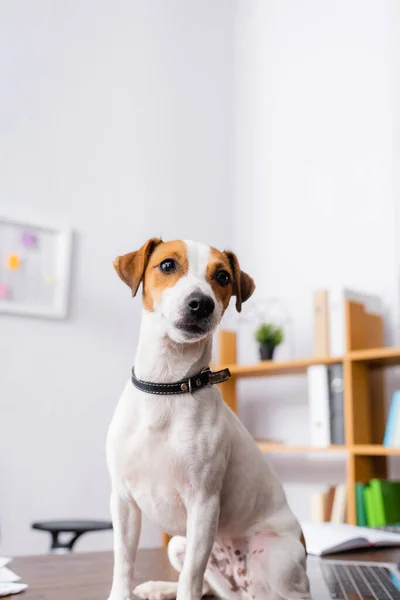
(386, 501)
(360, 505)
(369, 507)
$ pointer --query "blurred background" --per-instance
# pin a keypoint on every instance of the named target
(270, 127)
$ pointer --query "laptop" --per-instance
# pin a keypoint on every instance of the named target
(353, 580)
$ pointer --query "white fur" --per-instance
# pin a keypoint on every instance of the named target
(170, 307)
(189, 465)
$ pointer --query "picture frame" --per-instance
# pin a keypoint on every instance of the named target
(35, 268)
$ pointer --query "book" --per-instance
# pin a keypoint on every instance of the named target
(330, 538)
(318, 507)
(318, 397)
(396, 434)
(393, 423)
(336, 404)
(321, 323)
(372, 519)
(386, 500)
(360, 505)
(321, 505)
(329, 499)
(337, 317)
(339, 504)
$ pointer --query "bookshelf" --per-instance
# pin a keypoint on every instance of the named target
(364, 413)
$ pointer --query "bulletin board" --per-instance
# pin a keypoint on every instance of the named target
(35, 265)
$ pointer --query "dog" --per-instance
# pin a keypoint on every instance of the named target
(181, 457)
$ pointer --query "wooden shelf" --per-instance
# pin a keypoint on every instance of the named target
(357, 449)
(271, 448)
(292, 367)
(377, 357)
(374, 450)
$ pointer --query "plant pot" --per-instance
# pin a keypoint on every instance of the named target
(266, 351)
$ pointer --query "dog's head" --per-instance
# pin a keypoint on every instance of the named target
(187, 284)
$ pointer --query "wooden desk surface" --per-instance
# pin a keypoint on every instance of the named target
(80, 576)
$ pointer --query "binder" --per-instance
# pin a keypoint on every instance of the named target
(318, 397)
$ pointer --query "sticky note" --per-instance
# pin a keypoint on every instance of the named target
(13, 262)
(3, 291)
(29, 239)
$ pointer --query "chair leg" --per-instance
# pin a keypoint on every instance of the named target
(59, 547)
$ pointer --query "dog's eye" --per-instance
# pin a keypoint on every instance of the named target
(168, 265)
(222, 277)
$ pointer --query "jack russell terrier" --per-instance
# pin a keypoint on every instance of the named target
(179, 455)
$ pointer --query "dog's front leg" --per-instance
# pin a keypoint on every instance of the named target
(201, 528)
(126, 518)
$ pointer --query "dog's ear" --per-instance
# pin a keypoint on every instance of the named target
(243, 284)
(131, 267)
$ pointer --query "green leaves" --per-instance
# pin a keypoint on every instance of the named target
(269, 334)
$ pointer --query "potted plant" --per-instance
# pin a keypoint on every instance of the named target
(269, 336)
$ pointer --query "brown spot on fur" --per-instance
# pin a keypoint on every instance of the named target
(155, 281)
(241, 572)
(243, 284)
(229, 578)
(218, 261)
(131, 267)
(224, 562)
(237, 552)
(142, 266)
(234, 585)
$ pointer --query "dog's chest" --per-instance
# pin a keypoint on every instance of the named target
(165, 453)
(156, 477)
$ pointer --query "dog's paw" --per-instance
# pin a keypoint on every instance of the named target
(157, 590)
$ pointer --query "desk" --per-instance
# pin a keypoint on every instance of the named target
(80, 576)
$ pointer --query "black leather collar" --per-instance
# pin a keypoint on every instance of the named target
(205, 378)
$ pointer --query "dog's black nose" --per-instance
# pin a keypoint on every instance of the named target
(200, 305)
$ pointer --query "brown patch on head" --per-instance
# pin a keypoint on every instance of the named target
(218, 261)
(155, 281)
(241, 285)
(131, 267)
(142, 266)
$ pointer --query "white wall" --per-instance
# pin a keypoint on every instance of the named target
(315, 118)
(115, 118)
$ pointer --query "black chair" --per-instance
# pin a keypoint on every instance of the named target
(75, 528)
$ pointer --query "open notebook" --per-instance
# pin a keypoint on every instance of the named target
(330, 538)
